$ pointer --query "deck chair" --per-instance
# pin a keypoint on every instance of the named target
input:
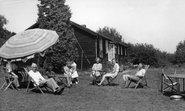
(110, 79)
(168, 83)
(35, 85)
(8, 80)
(141, 79)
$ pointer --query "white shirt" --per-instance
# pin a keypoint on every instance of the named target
(74, 73)
(36, 76)
(141, 73)
(96, 67)
(115, 68)
(73, 65)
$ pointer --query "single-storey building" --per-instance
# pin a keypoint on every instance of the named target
(91, 45)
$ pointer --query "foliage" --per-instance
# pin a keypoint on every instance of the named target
(112, 33)
(147, 54)
(55, 15)
(180, 53)
(4, 34)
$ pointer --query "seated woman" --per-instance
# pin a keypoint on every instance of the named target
(39, 80)
(74, 74)
(50, 73)
(139, 73)
(12, 74)
(113, 73)
(97, 67)
(67, 73)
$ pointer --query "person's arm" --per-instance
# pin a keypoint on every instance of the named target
(13, 74)
(74, 67)
(100, 67)
(114, 69)
(93, 68)
(67, 70)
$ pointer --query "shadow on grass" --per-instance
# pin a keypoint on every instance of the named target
(112, 84)
(139, 86)
(169, 94)
(39, 92)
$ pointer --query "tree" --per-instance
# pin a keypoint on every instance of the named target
(111, 33)
(180, 53)
(4, 34)
(55, 15)
(147, 54)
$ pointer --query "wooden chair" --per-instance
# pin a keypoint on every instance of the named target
(63, 79)
(141, 79)
(97, 79)
(8, 80)
(34, 83)
(168, 83)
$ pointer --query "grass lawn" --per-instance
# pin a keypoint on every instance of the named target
(86, 97)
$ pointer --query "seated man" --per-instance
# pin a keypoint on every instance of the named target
(39, 80)
(97, 67)
(139, 73)
(13, 75)
(112, 73)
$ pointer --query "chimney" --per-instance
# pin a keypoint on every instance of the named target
(83, 25)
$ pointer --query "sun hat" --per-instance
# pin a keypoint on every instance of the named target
(33, 65)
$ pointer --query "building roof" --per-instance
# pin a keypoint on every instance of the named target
(36, 25)
(83, 28)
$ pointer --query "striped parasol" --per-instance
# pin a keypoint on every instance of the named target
(27, 43)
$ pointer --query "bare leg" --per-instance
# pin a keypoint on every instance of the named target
(131, 77)
(15, 81)
(104, 76)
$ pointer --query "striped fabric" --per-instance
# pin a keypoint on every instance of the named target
(27, 43)
(25, 76)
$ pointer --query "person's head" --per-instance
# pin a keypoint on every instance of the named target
(113, 61)
(97, 60)
(140, 65)
(34, 67)
(68, 64)
(8, 66)
(50, 67)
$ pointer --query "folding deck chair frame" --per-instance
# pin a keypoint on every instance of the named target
(8, 80)
(137, 82)
(35, 85)
(111, 79)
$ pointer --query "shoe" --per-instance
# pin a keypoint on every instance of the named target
(60, 91)
(76, 82)
(18, 89)
(99, 84)
(57, 90)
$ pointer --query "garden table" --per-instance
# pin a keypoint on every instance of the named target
(179, 76)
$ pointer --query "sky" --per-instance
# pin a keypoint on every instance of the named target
(157, 22)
